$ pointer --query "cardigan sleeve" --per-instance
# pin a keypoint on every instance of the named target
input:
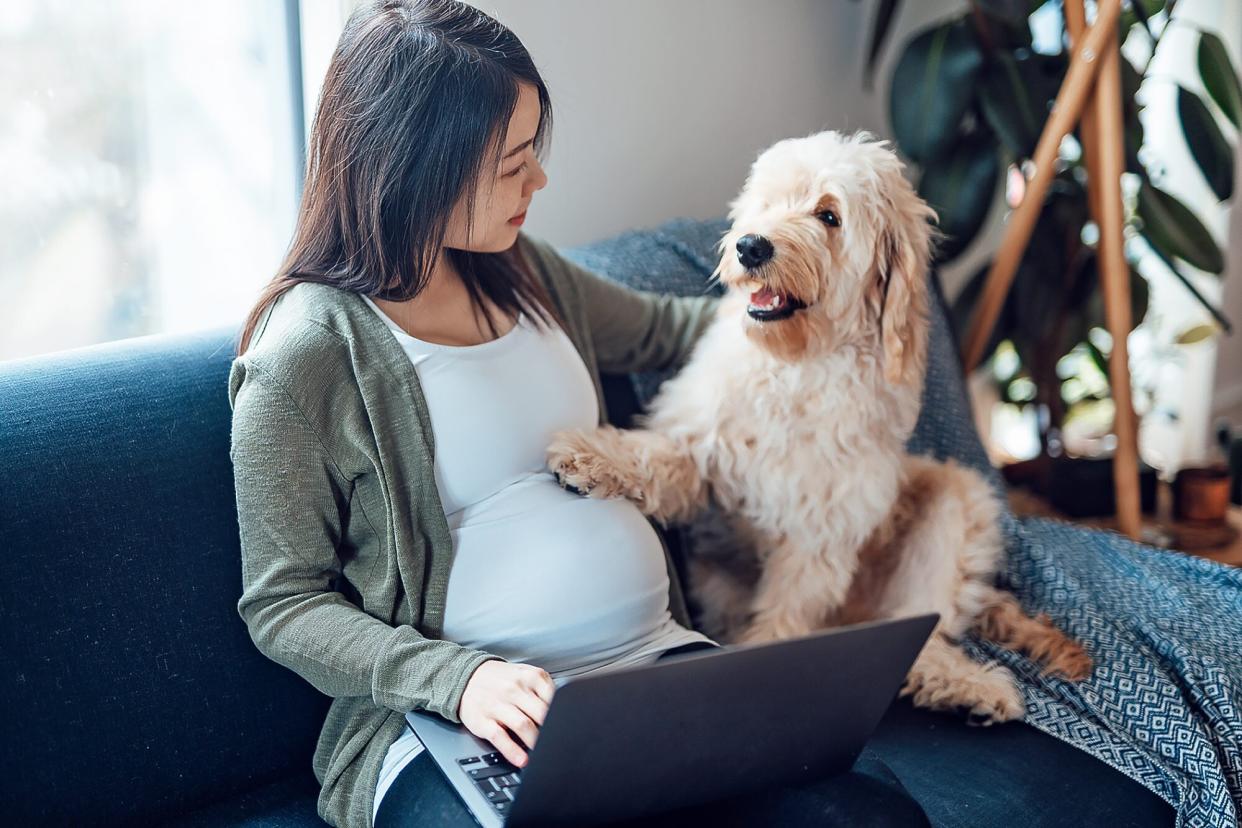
(635, 330)
(291, 499)
(632, 330)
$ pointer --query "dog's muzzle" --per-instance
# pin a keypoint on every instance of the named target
(753, 250)
(767, 305)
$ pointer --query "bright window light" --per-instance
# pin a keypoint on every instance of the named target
(150, 159)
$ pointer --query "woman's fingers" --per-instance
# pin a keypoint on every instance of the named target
(532, 705)
(533, 694)
(543, 686)
(506, 704)
(522, 725)
(504, 743)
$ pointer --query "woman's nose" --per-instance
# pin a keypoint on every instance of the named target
(540, 179)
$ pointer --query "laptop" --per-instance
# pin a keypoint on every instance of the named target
(622, 743)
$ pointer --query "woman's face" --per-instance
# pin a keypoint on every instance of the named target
(503, 194)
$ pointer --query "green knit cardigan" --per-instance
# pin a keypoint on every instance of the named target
(345, 546)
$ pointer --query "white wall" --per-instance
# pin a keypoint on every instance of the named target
(660, 106)
(1208, 379)
(1227, 400)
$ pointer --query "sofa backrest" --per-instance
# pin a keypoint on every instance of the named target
(131, 688)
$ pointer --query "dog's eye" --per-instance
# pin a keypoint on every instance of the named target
(829, 218)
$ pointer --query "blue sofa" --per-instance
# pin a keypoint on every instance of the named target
(131, 690)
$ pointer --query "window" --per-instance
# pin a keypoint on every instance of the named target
(151, 155)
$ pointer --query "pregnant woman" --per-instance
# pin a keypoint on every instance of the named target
(404, 545)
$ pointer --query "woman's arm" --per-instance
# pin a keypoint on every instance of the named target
(290, 501)
(636, 330)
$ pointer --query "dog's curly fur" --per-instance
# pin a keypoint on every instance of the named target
(795, 429)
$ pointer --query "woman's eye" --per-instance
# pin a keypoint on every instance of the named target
(829, 218)
(521, 167)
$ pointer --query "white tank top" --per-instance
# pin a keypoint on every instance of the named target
(540, 575)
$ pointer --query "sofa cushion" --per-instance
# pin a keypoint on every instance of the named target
(285, 803)
(1007, 775)
(131, 687)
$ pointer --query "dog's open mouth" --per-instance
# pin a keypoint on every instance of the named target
(767, 305)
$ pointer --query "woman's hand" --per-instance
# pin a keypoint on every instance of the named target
(501, 695)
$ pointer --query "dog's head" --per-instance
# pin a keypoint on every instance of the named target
(830, 246)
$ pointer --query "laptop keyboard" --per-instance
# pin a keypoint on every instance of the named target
(496, 778)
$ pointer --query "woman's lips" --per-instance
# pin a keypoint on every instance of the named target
(516, 221)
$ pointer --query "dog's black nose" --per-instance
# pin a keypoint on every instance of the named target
(753, 250)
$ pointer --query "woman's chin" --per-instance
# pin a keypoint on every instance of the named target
(498, 242)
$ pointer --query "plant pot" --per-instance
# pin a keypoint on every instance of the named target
(1201, 493)
(1081, 487)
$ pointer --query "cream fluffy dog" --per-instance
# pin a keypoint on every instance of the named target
(791, 417)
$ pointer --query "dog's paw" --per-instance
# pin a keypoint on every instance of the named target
(986, 698)
(765, 630)
(1071, 662)
(993, 699)
(755, 634)
(578, 467)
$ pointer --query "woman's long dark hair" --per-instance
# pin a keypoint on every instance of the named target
(414, 107)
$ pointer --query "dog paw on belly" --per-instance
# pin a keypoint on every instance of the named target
(578, 466)
(986, 697)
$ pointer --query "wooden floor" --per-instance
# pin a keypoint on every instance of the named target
(1218, 543)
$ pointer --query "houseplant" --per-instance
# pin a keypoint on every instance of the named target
(968, 100)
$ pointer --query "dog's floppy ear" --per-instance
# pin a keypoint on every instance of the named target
(904, 254)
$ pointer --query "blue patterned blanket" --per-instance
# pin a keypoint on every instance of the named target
(1164, 704)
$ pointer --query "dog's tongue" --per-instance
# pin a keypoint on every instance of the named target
(762, 296)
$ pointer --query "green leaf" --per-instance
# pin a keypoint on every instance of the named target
(1220, 318)
(1199, 333)
(961, 312)
(1132, 15)
(961, 188)
(1039, 287)
(1097, 316)
(1174, 230)
(1131, 80)
(1013, 11)
(931, 89)
(1211, 151)
(1045, 307)
(1003, 25)
(1219, 77)
(1143, 14)
(1016, 95)
(1097, 356)
(1084, 305)
(1083, 283)
(885, 14)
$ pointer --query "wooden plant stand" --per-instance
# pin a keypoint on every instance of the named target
(1090, 93)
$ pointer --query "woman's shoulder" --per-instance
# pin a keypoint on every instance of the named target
(304, 340)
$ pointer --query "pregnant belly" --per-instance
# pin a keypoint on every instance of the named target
(545, 576)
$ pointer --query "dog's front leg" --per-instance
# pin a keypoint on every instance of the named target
(798, 588)
(645, 466)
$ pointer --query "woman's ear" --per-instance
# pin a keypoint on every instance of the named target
(904, 254)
